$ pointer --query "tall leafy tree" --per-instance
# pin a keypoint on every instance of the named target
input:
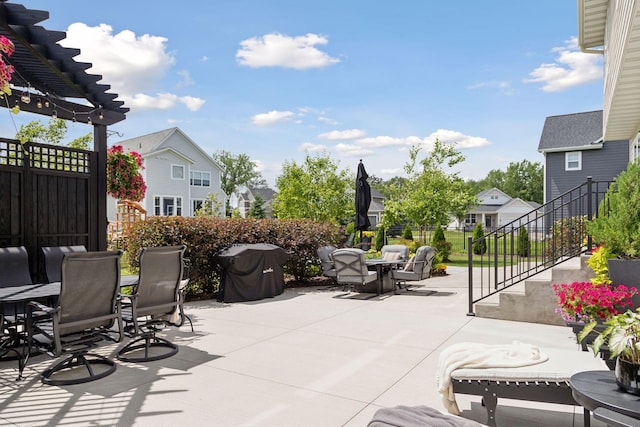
(238, 170)
(51, 133)
(315, 189)
(434, 194)
(524, 180)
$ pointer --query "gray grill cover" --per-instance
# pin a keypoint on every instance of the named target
(251, 272)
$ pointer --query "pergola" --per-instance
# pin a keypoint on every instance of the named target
(48, 81)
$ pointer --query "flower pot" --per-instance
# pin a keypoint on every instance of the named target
(628, 376)
(366, 243)
(626, 272)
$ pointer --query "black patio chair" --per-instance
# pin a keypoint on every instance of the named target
(155, 302)
(87, 310)
(14, 271)
(53, 256)
(14, 265)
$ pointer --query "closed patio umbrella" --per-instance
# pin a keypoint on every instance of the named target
(363, 200)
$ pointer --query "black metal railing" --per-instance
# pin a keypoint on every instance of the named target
(534, 242)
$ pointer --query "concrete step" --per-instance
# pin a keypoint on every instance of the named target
(534, 299)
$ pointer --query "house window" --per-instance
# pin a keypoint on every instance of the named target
(494, 197)
(200, 179)
(197, 204)
(573, 161)
(167, 206)
(177, 172)
(470, 219)
(635, 149)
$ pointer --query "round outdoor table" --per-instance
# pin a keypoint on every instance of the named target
(598, 389)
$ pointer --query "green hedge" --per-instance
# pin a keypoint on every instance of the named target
(205, 236)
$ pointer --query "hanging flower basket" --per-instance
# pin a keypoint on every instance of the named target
(124, 181)
(6, 70)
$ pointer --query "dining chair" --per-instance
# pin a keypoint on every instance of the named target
(394, 252)
(351, 268)
(416, 269)
(14, 271)
(53, 256)
(88, 308)
(326, 261)
(14, 265)
(155, 300)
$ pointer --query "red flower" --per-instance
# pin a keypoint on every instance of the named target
(586, 301)
(123, 177)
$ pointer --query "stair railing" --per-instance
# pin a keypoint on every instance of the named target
(534, 242)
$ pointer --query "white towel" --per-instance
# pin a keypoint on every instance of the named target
(476, 355)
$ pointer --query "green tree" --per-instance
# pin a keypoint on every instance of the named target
(380, 238)
(210, 207)
(51, 133)
(440, 243)
(257, 208)
(522, 247)
(524, 180)
(237, 170)
(479, 242)
(407, 233)
(315, 189)
(432, 194)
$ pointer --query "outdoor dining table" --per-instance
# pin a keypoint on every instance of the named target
(17, 340)
(379, 264)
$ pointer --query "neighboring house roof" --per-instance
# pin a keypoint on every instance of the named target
(150, 143)
(492, 191)
(375, 194)
(265, 193)
(376, 206)
(578, 131)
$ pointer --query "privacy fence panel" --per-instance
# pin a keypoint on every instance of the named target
(47, 198)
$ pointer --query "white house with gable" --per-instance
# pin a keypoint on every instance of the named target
(496, 209)
(178, 173)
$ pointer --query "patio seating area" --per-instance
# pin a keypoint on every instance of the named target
(307, 357)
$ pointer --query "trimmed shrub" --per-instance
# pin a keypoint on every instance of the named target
(479, 242)
(567, 234)
(206, 236)
(522, 247)
(439, 242)
(379, 239)
(407, 234)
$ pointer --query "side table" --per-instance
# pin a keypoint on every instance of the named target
(598, 389)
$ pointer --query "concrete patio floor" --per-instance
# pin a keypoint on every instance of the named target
(309, 357)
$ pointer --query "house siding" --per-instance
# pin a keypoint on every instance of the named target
(602, 164)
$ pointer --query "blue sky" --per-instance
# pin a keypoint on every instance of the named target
(358, 79)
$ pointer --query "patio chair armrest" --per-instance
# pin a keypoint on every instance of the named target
(36, 306)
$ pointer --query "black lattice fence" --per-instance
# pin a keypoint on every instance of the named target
(47, 198)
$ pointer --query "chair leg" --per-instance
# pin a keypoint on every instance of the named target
(76, 360)
(144, 344)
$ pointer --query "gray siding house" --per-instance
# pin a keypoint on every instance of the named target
(573, 150)
(178, 173)
(246, 198)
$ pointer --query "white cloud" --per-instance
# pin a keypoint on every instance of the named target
(504, 87)
(192, 102)
(458, 138)
(131, 64)
(352, 150)
(312, 148)
(327, 120)
(161, 101)
(392, 171)
(272, 117)
(279, 50)
(571, 68)
(382, 141)
(186, 79)
(341, 135)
